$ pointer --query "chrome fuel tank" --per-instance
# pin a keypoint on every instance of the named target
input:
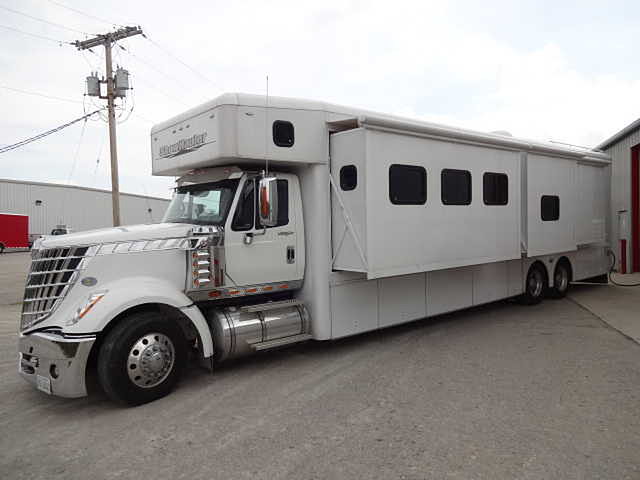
(239, 331)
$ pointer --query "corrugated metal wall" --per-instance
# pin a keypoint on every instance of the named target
(48, 205)
(621, 183)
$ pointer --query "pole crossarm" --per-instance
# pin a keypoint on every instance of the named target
(110, 38)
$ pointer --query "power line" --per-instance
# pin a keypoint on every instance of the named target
(80, 12)
(152, 67)
(168, 53)
(51, 97)
(162, 92)
(21, 143)
(41, 37)
(75, 157)
(42, 20)
(145, 119)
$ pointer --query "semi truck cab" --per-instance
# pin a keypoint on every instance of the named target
(229, 236)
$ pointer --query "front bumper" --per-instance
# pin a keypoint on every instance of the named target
(55, 364)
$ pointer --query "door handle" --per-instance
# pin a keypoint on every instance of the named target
(291, 254)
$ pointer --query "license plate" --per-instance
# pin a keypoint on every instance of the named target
(43, 384)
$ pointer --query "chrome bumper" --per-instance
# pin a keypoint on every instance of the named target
(55, 364)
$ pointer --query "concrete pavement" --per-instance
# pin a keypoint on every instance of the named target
(500, 391)
(618, 306)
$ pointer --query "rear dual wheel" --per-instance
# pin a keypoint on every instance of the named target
(561, 280)
(535, 285)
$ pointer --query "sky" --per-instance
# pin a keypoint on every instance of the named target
(550, 70)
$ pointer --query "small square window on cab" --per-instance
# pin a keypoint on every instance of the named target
(283, 133)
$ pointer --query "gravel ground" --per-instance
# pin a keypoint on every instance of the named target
(500, 391)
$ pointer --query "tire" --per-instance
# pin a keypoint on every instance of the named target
(142, 358)
(1, 248)
(534, 287)
(561, 280)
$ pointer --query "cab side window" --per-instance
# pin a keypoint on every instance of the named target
(243, 218)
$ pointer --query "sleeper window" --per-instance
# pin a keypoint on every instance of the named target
(495, 188)
(550, 208)
(283, 134)
(455, 187)
(348, 177)
(407, 185)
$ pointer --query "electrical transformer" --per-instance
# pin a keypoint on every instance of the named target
(122, 82)
(93, 85)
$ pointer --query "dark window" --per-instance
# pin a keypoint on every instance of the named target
(283, 133)
(455, 187)
(407, 185)
(550, 208)
(495, 188)
(283, 205)
(348, 177)
(243, 218)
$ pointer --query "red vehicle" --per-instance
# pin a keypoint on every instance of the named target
(14, 231)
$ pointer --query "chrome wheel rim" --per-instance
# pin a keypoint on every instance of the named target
(561, 279)
(535, 283)
(151, 360)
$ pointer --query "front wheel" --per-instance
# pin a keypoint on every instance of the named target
(534, 285)
(142, 358)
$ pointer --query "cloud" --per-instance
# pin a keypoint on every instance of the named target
(492, 68)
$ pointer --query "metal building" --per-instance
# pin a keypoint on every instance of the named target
(624, 148)
(79, 208)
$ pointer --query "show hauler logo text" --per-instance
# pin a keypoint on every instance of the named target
(184, 145)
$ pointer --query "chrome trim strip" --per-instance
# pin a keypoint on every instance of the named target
(57, 258)
(219, 293)
(49, 271)
(27, 300)
(30, 287)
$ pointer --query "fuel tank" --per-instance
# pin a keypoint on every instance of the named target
(239, 331)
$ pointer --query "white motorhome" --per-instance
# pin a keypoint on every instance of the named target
(295, 220)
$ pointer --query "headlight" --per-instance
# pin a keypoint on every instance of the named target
(81, 312)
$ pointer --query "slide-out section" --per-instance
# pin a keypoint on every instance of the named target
(566, 204)
(404, 204)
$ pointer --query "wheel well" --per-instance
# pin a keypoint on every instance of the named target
(190, 332)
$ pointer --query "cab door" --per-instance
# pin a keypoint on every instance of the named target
(254, 255)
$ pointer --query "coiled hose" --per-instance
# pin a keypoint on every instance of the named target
(612, 271)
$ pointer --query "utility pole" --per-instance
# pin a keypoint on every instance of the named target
(107, 40)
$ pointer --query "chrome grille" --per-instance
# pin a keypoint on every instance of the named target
(53, 272)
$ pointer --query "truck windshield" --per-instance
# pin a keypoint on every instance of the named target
(202, 204)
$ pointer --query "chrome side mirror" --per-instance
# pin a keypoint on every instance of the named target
(268, 201)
